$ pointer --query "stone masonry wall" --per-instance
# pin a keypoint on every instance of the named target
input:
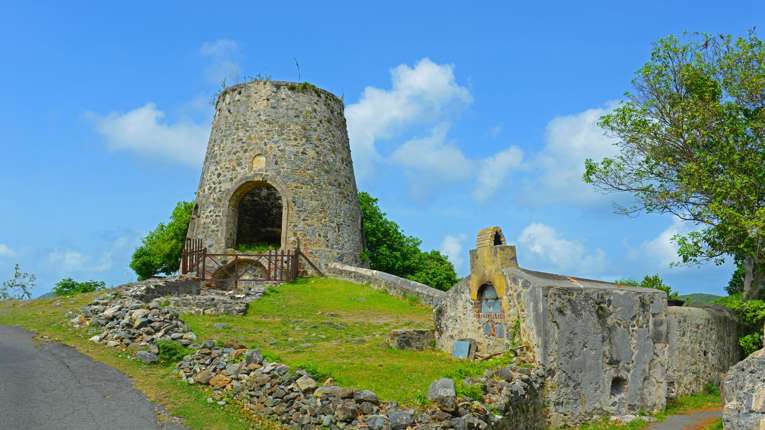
(292, 137)
(391, 284)
(703, 345)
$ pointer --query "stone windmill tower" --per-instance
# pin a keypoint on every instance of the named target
(278, 171)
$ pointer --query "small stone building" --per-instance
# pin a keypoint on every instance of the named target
(278, 173)
(606, 349)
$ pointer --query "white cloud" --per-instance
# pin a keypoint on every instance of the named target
(224, 67)
(424, 93)
(493, 171)
(569, 140)
(662, 250)
(73, 261)
(144, 130)
(453, 248)
(219, 48)
(6, 251)
(547, 247)
(434, 157)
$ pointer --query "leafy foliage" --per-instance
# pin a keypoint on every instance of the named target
(389, 250)
(19, 287)
(691, 140)
(171, 351)
(752, 314)
(161, 249)
(69, 286)
(651, 281)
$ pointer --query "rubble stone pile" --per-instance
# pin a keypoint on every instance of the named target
(512, 395)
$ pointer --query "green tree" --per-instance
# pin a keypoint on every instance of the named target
(19, 287)
(69, 286)
(651, 281)
(161, 249)
(389, 250)
(691, 140)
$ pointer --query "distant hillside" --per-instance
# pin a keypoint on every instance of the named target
(700, 298)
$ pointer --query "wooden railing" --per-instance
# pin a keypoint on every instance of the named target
(227, 270)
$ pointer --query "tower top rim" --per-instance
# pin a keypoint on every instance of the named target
(293, 86)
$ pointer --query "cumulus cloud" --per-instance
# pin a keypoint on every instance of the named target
(453, 247)
(661, 251)
(6, 251)
(494, 170)
(74, 261)
(144, 130)
(556, 253)
(434, 157)
(569, 140)
(420, 94)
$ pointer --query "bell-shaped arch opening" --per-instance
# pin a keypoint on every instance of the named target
(489, 301)
(255, 217)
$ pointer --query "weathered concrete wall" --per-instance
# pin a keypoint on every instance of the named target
(292, 137)
(744, 394)
(604, 348)
(703, 345)
(386, 282)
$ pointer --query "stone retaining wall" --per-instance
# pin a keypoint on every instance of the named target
(511, 396)
(391, 284)
(703, 345)
(744, 394)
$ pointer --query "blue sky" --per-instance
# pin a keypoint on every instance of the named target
(459, 118)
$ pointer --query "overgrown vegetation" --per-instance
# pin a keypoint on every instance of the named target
(338, 329)
(256, 248)
(752, 314)
(171, 351)
(691, 140)
(161, 249)
(19, 287)
(651, 281)
(389, 250)
(69, 286)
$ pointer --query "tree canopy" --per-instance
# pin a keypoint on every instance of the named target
(691, 140)
(161, 249)
(389, 250)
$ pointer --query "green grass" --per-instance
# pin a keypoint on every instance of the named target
(189, 402)
(606, 424)
(337, 329)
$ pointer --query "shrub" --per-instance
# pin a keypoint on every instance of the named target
(19, 287)
(161, 249)
(69, 286)
(752, 315)
(389, 250)
(171, 351)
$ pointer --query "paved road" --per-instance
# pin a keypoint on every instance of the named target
(691, 421)
(47, 386)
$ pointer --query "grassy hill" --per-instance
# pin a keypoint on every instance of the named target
(700, 298)
(337, 329)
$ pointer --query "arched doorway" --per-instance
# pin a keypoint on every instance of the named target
(255, 217)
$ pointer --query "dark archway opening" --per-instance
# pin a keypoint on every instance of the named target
(497, 239)
(259, 219)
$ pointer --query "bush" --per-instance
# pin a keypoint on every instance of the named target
(752, 315)
(69, 286)
(19, 287)
(389, 250)
(161, 249)
(171, 351)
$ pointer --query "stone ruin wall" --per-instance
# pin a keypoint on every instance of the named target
(703, 345)
(292, 137)
(606, 349)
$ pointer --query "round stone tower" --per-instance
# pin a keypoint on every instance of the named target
(278, 170)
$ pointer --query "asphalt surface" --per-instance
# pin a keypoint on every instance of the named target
(46, 386)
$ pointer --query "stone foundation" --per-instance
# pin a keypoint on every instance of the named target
(391, 284)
